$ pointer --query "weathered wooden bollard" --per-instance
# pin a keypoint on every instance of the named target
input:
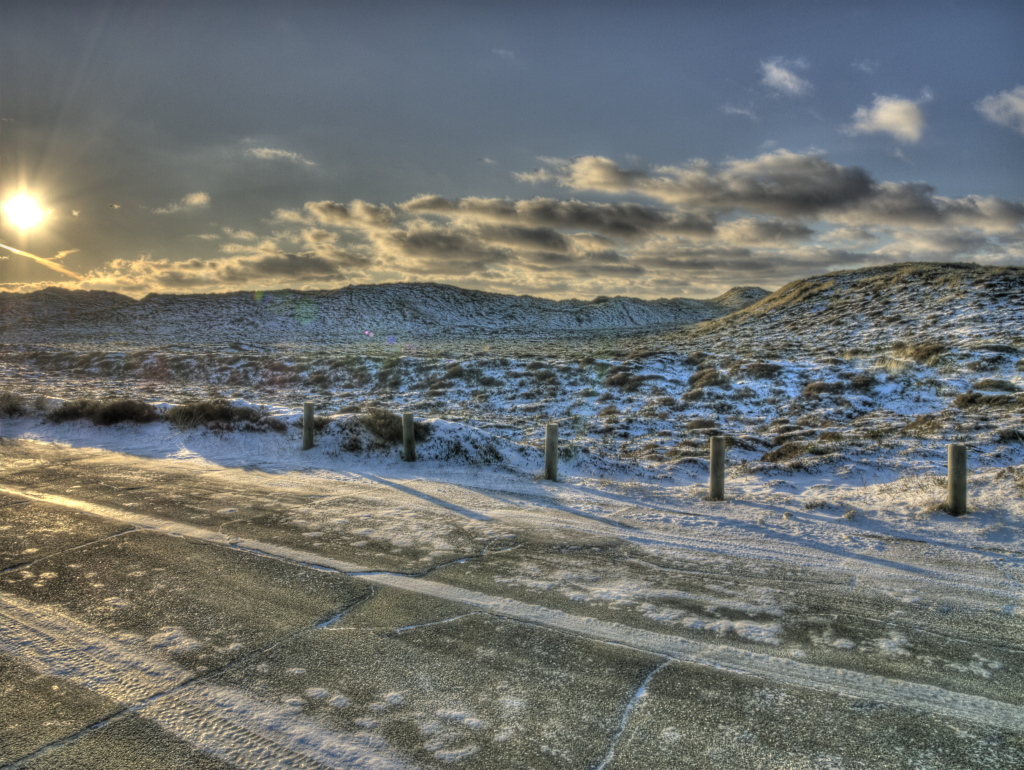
(408, 437)
(716, 484)
(956, 473)
(551, 452)
(307, 425)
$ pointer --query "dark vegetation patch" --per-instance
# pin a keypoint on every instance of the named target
(921, 353)
(709, 378)
(861, 381)
(387, 426)
(973, 398)
(820, 387)
(11, 404)
(762, 370)
(108, 412)
(218, 413)
(991, 383)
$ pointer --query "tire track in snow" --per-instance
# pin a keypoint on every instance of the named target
(854, 684)
(222, 721)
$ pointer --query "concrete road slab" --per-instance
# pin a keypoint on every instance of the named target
(697, 717)
(204, 605)
(473, 689)
(127, 743)
(37, 709)
(33, 530)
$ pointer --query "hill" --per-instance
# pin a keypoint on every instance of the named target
(420, 310)
(908, 304)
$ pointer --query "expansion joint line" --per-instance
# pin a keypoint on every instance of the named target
(64, 551)
(638, 696)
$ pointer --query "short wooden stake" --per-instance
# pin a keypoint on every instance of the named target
(716, 484)
(409, 437)
(956, 471)
(551, 452)
(307, 425)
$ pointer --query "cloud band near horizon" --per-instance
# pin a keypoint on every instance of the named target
(694, 229)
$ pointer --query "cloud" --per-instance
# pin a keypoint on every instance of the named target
(194, 200)
(761, 232)
(356, 214)
(747, 112)
(778, 74)
(1005, 108)
(870, 66)
(691, 229)
(624, 220)
(783, 184)
(504, 53)
(268, 153)
(901, 118)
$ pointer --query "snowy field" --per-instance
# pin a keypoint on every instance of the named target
(831, 565)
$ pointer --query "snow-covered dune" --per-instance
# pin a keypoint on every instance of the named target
(423, 310)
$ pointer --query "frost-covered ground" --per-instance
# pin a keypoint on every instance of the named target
(838, 397)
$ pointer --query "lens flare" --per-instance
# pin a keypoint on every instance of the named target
(23, 211)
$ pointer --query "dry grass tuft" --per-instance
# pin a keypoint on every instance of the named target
(213, 413)
(108, 412)
(387, 426)
(992, 383)
(11, 404)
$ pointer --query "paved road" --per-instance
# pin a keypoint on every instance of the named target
(177, 614)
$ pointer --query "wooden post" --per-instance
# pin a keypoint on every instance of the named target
(551, 452)
(716, 484)
(307, 425)
(409, 437)
(956, 471)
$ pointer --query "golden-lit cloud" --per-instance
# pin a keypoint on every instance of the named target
(43, 261)
(695, 228)
(196, 200)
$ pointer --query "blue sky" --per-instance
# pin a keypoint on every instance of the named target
(558, 149)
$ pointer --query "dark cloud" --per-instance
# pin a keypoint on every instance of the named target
(614, 219)
(294, 266)
(763, 231)
(792, 186)
(537, 238)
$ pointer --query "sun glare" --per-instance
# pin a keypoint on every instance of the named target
(23, 211)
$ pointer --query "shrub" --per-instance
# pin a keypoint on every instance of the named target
(926, 352)
(455, 371)
(708, 378)
(786, 452)
(625, 381)
(762, 370)
(11, 404)
(387, 426)
(216, 412)
(819, 387)
(608, 410)
(863, 381)
(104, 412)
(972, 398)
(701, 422)
(996, 384)
(1006, 435)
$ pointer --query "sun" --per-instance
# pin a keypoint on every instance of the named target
(23, 211)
